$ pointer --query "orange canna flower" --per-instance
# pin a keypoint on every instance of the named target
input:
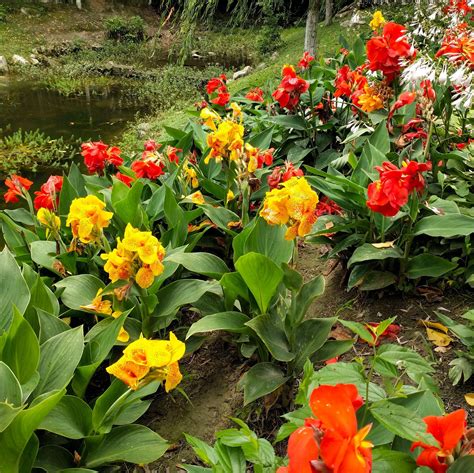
(16, 185)
(448, 430)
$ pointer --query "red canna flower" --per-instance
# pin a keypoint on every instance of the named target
(389, 334)
(48, 195)
(283, 174)
(331, 442)
(17, 186)
(223, 97)
(306, 60)
(384, 52)
(458, 45)
(405, 98)
(97, 155)
(151, 145)
(458, 6)
(290, 88)
(216, 82)
(172, 154)
(255, 94)
(327, 206)
(448, 430)
(127, 180)
(149, 166)
(428, 90)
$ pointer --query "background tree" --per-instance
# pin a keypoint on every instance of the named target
(329, 12)
(311, 32)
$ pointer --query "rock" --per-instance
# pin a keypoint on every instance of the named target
(24, 11)
(17, 59)
(261, 66)
(143, 129)
(3, 65)
(355, 20)
(242, 73)
(34, 60)
(195, 54)
(274, 56)
(212, 54)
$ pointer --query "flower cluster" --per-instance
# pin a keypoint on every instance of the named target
(448, 431)
(255, 94)
(146, 360)
(139, 256)
(217, 86)
(293, 204)
(385, 52)
(391, 191)
(282, 174)
(87, 218)
(97, 155)
(17, 187)
(151, 164)
(331, 442)
(50, 221)
(48, 195)
(458, 45)
(226, 142)
(99, 305)
(290, 88)
(377, 20)
(256, 158)
(306, 60)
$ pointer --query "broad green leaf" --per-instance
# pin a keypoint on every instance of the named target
(53, 459)
(14, 439)
(128, 209)
(233, 322)
(401, 421)
(13, 289)
(79, 290)
(374, 280)
(59, 358)
(269, 240)
(130, 443)
(389, 461)
(272, 335)
(305, 297)
(221, 216)
(66, 196)
(43, 253)
(359, 329)
(42, 297)
(331, 349)
(260, 380)
(50, 325)
(21, 351)
(447, 226)
(10, 396)
(204, 451)
(368, 252)
(310, 336)
(428, 265)
(295, 122)
(262, 277)
(206, 264)
(462, 465)
(70, 418)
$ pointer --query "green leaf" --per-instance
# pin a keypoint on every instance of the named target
(129, 443)
(289, 121)
(272, 335)
(269, 240)
(262, 277)
(260, 380)
(462, 465)
(305, 297)
(14, 439)
(359, 329)
(53, 459)
(43, 253)
(10, 396)
(310, 336)
(204, 451)
(50, 325)
(402, 422)
(389, 461)
(233, 322)
(374, 280)
(331, 349)
(42, 297)
(71, 418)
(21, 349)
(79, 290)
(59, 358)
(128, 209)
(447, 226)
(201, 263)
(262, 140)
(220, 216)
(66, 196)
(368, 252)
(13, 289)
(428, 265)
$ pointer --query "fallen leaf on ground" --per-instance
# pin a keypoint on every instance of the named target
(435, 325)
(469, 397)
(438, 338)
(340, 333)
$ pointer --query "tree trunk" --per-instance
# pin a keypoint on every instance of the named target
(312, 20)
(329, 6)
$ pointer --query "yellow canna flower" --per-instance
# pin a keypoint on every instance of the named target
(98, 305)
(377, 20)
(49, 220)
(294, 204)
(230, 196)
(87, 218)
(190, 175)
(226, 142)
(145, 360)
(236, 110)
(119, 265)
(196, 198)
(370, 101)
(209, 117)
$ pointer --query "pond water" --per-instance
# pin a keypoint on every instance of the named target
(90, 116)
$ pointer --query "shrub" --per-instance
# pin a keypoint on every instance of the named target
(126, 29)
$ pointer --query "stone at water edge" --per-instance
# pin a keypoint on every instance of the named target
(17, 59)
(3, 65)
(242, 73)
(34, 60)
